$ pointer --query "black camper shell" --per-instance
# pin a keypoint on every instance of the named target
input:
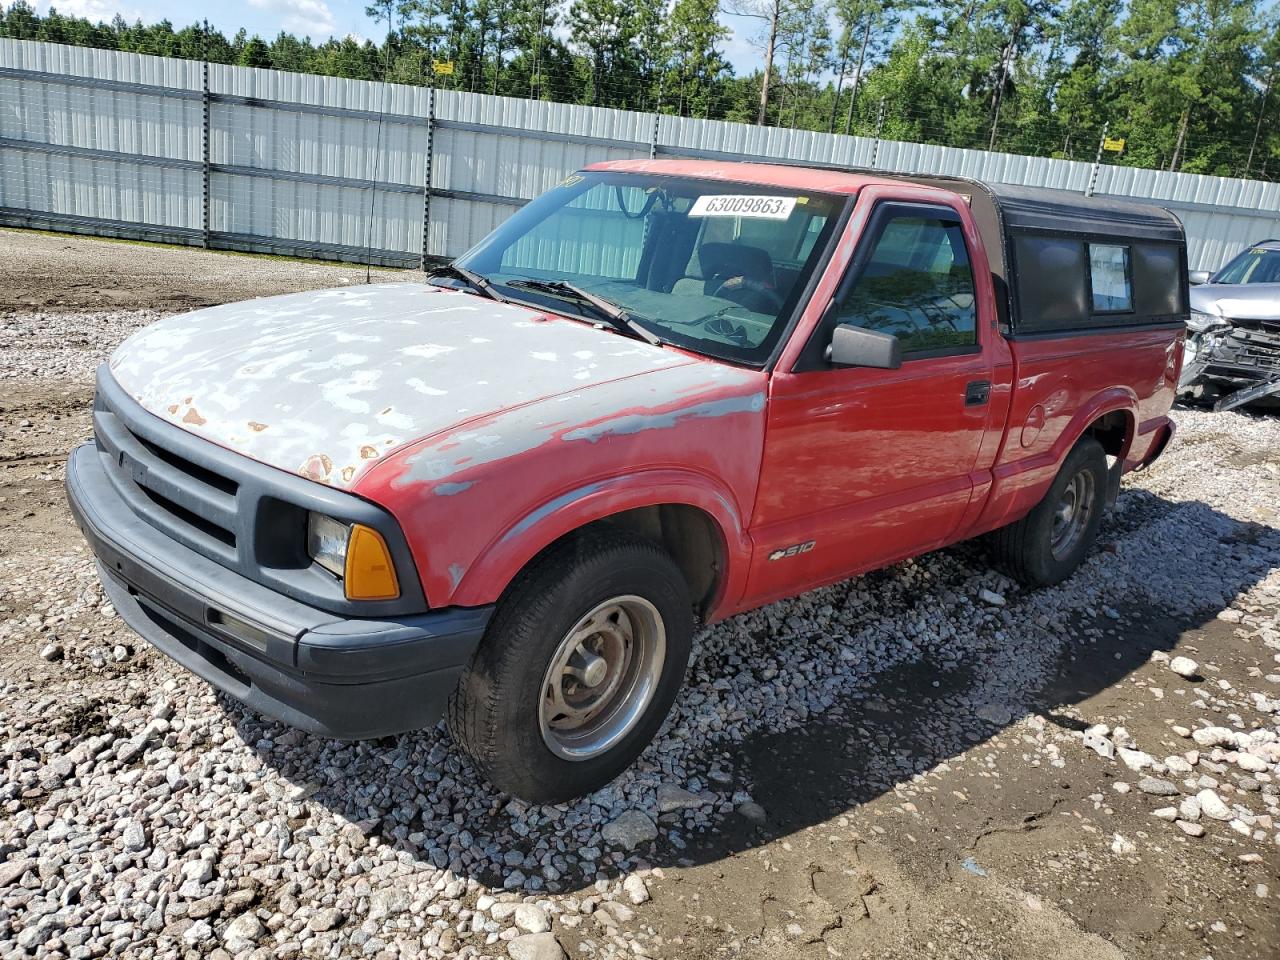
(1066, 264)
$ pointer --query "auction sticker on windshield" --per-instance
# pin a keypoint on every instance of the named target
(743, 205)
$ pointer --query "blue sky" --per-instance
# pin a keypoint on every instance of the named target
(315, 18)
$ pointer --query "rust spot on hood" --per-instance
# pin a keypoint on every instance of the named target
(192, 416)
(368, 452)
(173, 408)
(257, 427)
(317, 467)
(348, 473)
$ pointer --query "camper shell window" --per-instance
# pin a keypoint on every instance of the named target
(1065, 263)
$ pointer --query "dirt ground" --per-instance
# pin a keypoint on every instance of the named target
(1001, 844)
(61, 272)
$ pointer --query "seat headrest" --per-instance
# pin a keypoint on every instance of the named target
(735, 260)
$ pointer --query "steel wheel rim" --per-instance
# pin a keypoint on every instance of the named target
(1072, 514)
(602, 677)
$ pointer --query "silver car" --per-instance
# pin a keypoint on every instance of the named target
(1233, 333)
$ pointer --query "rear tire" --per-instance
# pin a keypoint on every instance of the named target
(1046, 546)
(578, 668)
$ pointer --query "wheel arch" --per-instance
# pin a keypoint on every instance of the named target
(1111, 417)
(696, 523)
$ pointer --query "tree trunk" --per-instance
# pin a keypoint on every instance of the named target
(835, 105)
(1181, 141)
(1257, 129)
(857, 77)
(768, 61)
(497, 58)
(999, 94)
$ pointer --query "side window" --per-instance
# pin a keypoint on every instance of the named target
(1111, 277)
(918, 286)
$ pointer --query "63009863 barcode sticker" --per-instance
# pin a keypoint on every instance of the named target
(743, 205)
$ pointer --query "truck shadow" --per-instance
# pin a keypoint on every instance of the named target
(870, 715)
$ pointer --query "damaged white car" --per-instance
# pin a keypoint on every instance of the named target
(1233, 332)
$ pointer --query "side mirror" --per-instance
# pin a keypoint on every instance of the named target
(1197, 277)
(858, 347)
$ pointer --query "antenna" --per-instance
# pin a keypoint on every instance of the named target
(377, 147)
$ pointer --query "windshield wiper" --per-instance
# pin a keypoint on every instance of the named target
(614, 315)
(476, 281)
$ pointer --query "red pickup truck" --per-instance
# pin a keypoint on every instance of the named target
(662, 392)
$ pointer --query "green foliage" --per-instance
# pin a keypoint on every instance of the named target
(1188, 85)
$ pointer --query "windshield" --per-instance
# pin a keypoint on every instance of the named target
(716, 267)
(1256, 265)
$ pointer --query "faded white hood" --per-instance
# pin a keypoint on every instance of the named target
(327, 383)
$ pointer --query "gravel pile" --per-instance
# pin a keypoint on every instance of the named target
(63, 346)
(145, 815)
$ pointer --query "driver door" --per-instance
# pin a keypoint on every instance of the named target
(863, 467)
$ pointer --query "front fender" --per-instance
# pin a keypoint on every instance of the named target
(512, 549)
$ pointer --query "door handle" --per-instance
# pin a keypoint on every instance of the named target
(977, 393)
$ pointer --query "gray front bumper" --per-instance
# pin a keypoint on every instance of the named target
(339, 677)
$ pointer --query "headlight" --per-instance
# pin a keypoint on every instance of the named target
(327, 542)
(1201, 322)
(354, 553)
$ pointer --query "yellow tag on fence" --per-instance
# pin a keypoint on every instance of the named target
(442, 67)
(1114, 144)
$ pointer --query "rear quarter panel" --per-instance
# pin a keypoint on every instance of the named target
(1062, 384)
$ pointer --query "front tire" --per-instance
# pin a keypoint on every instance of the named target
(578, 668)
(1046, 546)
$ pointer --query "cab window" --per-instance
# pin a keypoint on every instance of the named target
(917, 284)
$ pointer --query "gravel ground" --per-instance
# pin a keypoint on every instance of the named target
(926, 761)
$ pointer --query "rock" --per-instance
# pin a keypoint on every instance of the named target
(1122, 846)
(514, 880)
(1212, 806)
(620, 911)
(130, 750)
(13, 871)
(386, 903)
(1135, 760)
(1157, 788)
(242, 933)
(636, 889)
(531, 918)
(326, 919)
(51, 652)
(1184, 667)
(1247, 761)
(204, 907)
(1166, 813)
(1190, 829)
(535, 946)
(1214, 736)
(671, 798)
(995, 713)
(1190, 808)
(630, 830)
(198, 933)
(135, 836)
(750, 810)
(991, 597)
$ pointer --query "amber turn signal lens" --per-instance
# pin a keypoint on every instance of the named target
(369, 573)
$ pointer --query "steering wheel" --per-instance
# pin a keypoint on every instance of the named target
(749, 293)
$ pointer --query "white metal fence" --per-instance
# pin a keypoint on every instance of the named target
(237, 158)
